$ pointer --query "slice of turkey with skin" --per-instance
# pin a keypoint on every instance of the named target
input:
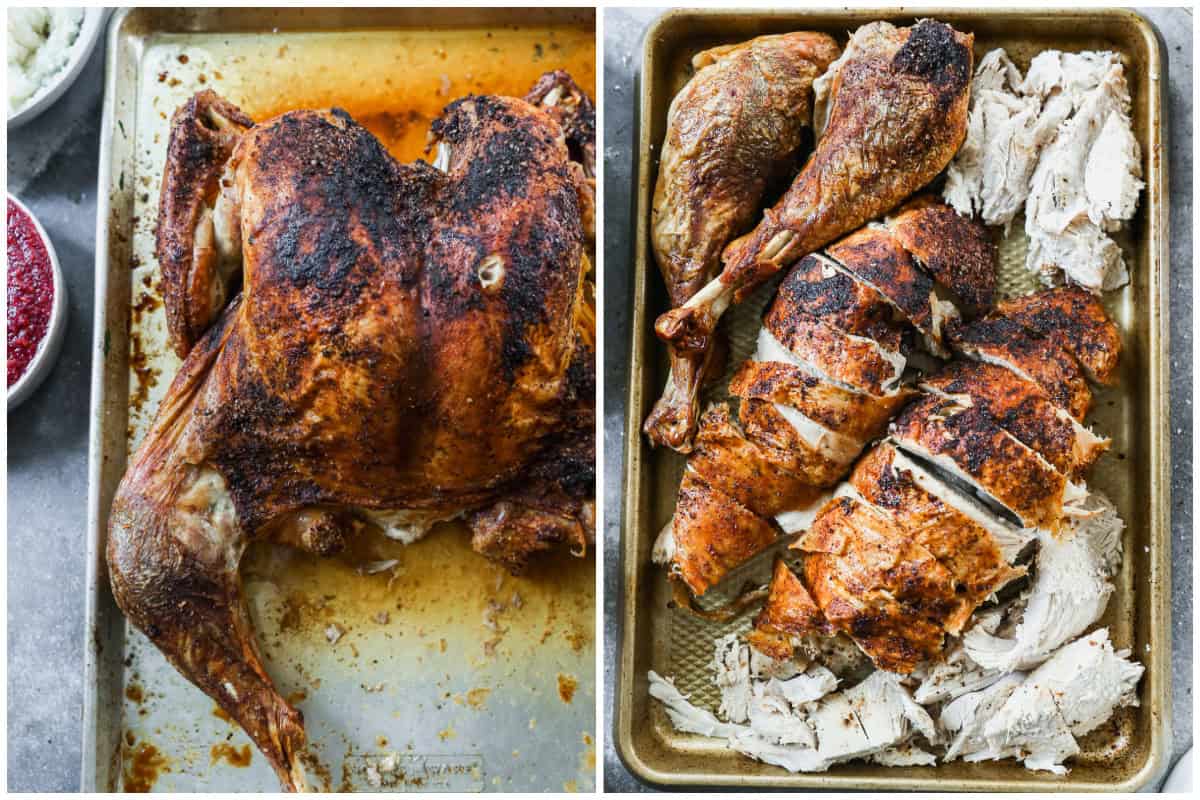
(852, 414)
(856, 362)
(1012, 540)
(1023, 409)
(771, 349)
(967, 550)
(1045, 361)
(964, 443)
(874, 256)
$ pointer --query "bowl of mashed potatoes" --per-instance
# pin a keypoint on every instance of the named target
(47, 49)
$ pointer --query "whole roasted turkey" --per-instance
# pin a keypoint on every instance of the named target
(404, 344)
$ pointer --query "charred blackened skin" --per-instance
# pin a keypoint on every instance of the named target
(932, 52)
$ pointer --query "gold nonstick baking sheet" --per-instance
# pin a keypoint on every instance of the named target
(1121, 755)
(471, 678)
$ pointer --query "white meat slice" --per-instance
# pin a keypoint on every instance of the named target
(1112, 178)
(963, 719)
(1069, 592)
(1029, 728)
(953, 677)
(684, 715)
(793, 758)
(731, 670)
(876, 714)
(801, 519)
(1071, 75)
(764, 667)
(1089, 681)
(904, 755)
(1005, 133)
(1059, 203)
(772, 718)
(837, 447)
(810, 685)
(663, 551)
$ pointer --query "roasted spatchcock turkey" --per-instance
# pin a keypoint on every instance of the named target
(367, 344)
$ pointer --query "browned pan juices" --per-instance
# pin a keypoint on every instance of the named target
(1129, 749)
(442, 654)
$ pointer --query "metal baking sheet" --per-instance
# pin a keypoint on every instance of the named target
(1120, 756)
(473, 679)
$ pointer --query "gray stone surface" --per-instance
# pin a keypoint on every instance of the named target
(52, 165)
(622, 55)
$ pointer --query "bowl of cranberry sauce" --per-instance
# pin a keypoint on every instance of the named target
(37, 303)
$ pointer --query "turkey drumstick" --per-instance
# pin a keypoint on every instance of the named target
(732, 130)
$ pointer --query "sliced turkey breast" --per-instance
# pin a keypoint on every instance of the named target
(810, 451)
(789, 616)
(965, 443)
(860, 363)
(1023, 409)
(1070, 591)
(965, 549)
(1011, 540)
(871, 581)
(818, 287)
(852, 414)
(736, 465)
(713, 533)
(956, 251)
(1045, 361)
(873, 256)
(1079, 318)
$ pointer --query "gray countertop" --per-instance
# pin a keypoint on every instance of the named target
(623, 30)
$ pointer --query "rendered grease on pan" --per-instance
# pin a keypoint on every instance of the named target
(398, 637)
(906, 560)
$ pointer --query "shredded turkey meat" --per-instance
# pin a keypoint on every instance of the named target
(1058, 142)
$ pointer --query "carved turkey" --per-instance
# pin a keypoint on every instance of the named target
(408, 345)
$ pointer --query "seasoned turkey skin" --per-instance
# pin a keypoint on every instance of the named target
(968, 442)
(877, 585)
(1023, 409)
(871, 254)
(1046, 361)
(405, 339)
(743, 469)
(734, 130)
(964, 548)
(842, 411)
(1078, 317)
(713, 534)
(789, 615)
(957, 252)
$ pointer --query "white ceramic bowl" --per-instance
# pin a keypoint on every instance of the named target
(47, 352)
(90, 31)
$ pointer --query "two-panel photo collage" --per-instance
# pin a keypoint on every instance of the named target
(599, 398)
